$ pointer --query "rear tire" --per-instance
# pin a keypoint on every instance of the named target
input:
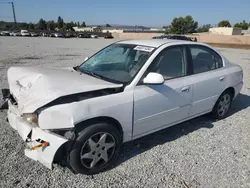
(222, 106)
(96, 149)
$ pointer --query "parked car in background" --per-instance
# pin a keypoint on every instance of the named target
(80, 35)
(16, 33)
(58, 35)
(108, 37)
(33, 34)
(69, 35)
(25, 33)
(94, 36)
(175, 37)
(159, 37)
(5, 33)
(11, 33)
(84, 35)
(125, 91)
(52, 35)
(43, 34)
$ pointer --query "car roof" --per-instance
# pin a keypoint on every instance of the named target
(157, 42)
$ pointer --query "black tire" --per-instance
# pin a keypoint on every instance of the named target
(83, 139)
(216, 113)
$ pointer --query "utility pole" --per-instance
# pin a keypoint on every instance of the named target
(13, 10)
(14, 14)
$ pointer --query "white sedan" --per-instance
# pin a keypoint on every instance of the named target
(132, 88)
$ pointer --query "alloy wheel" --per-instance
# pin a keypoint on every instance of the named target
(224, 104)
(97, 150)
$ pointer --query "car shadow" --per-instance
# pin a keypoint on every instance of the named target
(138, 146)
(241, 102)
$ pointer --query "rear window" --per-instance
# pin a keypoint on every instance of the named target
(204, 59)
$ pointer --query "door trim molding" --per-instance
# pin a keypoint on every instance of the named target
(169, 125)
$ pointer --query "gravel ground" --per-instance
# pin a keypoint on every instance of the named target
(198, 153)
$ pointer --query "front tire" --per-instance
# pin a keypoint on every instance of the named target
(222, 106)
(96, 149)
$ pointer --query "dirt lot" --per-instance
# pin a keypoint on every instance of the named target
(237, 46)
(198, 153)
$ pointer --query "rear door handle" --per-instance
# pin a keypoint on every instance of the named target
(222, 78)
(185, 89)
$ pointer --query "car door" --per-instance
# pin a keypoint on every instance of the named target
(208, 79)
(159, 106)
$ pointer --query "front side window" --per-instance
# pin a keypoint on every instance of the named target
(170, 63)
(118, 62)
(204, 59)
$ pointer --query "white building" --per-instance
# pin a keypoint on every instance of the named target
(112, 30)
(87, 29)
(157, 29)
(225, 31)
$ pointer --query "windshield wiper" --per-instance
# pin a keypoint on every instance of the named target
(91, 73)
(76, 68)
(99, 76)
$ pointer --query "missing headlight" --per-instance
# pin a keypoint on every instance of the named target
(66, 133)
(31, 118)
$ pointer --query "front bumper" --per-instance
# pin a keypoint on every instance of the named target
(33, 136)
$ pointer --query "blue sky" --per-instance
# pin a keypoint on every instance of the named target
(128, 12)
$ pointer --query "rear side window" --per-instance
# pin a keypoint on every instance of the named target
(204, 59)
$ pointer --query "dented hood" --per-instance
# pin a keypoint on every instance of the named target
(34, 87)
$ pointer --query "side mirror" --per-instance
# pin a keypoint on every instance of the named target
(153, 78)
(86, 58)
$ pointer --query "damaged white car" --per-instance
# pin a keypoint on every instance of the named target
(129, 89)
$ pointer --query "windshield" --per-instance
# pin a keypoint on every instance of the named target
(118, 62)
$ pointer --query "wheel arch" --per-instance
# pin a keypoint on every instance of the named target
(63, 150)
(101, 119)
(231, 90)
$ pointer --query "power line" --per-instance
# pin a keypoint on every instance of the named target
(6, 16)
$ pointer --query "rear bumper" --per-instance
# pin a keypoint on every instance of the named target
(34, 136)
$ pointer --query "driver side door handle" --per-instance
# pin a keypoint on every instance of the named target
(222, 78)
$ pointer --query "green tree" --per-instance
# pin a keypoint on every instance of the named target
(78, 24)
(42, 24)
(182, 25)
(243, 25)
(204, 28)
(83, 24)
(24, 26)
(64, 28)
(51, 25)
(68, 26)
(224, 23)
(60, 22)
(191, 25)
(31, 26)
(5, 26)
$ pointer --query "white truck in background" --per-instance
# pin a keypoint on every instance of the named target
(25, 33)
